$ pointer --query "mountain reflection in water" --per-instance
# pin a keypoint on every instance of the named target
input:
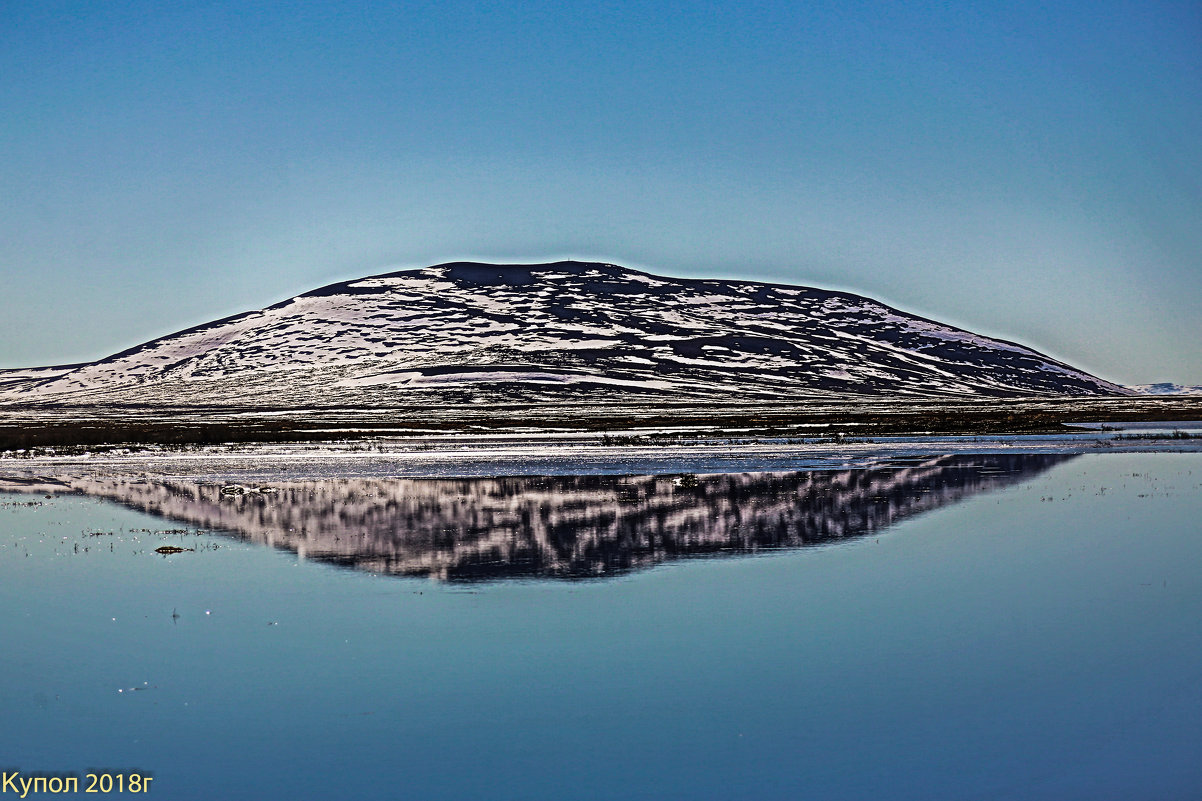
(568, 526)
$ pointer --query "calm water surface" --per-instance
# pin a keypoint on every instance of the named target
(990, 628)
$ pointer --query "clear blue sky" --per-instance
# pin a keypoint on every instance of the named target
(1028, 170)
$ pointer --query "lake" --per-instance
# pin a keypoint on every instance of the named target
(957, 627)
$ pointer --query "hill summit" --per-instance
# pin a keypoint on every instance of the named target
(479, 333)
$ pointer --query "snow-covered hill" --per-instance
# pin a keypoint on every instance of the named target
(468, 332)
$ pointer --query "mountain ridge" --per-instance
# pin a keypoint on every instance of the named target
(474, 332)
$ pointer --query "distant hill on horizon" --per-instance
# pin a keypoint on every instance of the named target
(567, 331)
(1165, 388)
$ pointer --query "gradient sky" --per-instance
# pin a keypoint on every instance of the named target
(1026, 170)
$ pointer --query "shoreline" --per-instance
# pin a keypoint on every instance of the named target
(571, 454)
(82, 426)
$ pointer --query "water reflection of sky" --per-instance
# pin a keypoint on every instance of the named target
(1036, 641)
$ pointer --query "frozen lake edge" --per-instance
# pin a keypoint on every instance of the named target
(466, 455)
